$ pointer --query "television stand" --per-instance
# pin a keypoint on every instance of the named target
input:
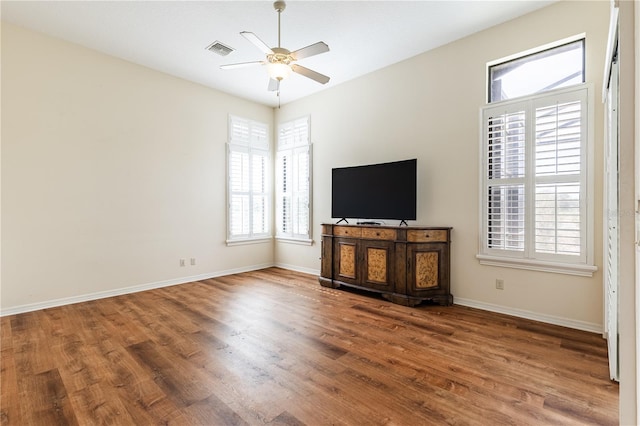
(405, 264)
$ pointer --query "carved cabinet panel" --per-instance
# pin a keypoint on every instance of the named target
(364, 263)
(428, 271)
(377, 264)
(347, 258)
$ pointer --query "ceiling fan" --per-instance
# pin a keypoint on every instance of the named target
(280, 62)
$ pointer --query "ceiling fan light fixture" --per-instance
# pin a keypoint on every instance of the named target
(281, 62)
(278, 70)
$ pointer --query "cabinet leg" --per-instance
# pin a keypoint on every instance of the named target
(444, 300)
(399, 299)
(325, 282)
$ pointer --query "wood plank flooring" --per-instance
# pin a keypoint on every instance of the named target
(274, 347)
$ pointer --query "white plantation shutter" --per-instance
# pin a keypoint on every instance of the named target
(505, 153)
(560, 133)
(259, 193)
(293, 180)
(534, 178)
(248, 189)
(239, 195)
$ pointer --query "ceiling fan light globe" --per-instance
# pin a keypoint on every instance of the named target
(278, 71)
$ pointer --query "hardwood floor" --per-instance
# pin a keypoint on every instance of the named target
(274, 347)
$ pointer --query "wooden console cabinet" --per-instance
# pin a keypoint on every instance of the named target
(405, 264)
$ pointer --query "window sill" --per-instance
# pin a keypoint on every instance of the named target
(291, 240)
(538, 265)
(246, 241)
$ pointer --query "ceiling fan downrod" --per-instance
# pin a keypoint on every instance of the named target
(279, 6)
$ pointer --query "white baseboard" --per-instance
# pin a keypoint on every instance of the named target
(126, 290)
(298, 269)
(521, 313)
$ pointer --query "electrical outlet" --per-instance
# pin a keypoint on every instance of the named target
(193, 261)
(182, 262)
(500, 284)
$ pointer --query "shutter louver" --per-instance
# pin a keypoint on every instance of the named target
(506, 145)
(506, 136)
(302, 191)
(506, 217)
(557, 215)
(558, 139)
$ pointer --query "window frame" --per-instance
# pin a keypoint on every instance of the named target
(534, 52)
(294, 144)
(528, 258)
(252, 138)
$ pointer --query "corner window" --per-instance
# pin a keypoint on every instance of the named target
(248, 192)
(544, 70)
(293, 182)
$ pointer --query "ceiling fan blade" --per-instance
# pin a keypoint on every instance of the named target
(313, 75)
(274, 85)
(257, 42)
(311, 50)
(241, 65)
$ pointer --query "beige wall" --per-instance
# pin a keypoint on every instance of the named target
(111, 173)
(428, 107)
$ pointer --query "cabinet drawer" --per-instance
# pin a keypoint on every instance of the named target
(427, 236)
(379, 234)
(347, 231)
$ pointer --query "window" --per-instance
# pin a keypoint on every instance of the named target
(546, 69)
(247, 173)
(293, 181)
(536, 191)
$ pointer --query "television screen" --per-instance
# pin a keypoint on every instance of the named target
(375, 191)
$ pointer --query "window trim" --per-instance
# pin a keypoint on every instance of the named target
(494, 257)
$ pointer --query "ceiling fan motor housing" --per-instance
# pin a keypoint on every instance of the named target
(280, 56)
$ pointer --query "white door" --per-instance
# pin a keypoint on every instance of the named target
(612, 229)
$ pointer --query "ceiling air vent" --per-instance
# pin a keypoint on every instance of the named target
(219, 48)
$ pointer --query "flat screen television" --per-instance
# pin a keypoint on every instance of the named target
(375, 191)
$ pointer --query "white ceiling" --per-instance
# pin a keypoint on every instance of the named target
(171, 36)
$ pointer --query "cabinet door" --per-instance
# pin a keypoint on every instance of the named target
(428, 271)
(326, 269)
(345, 261)
(377, 264)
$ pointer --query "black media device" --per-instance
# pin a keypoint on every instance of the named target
(375, 191)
